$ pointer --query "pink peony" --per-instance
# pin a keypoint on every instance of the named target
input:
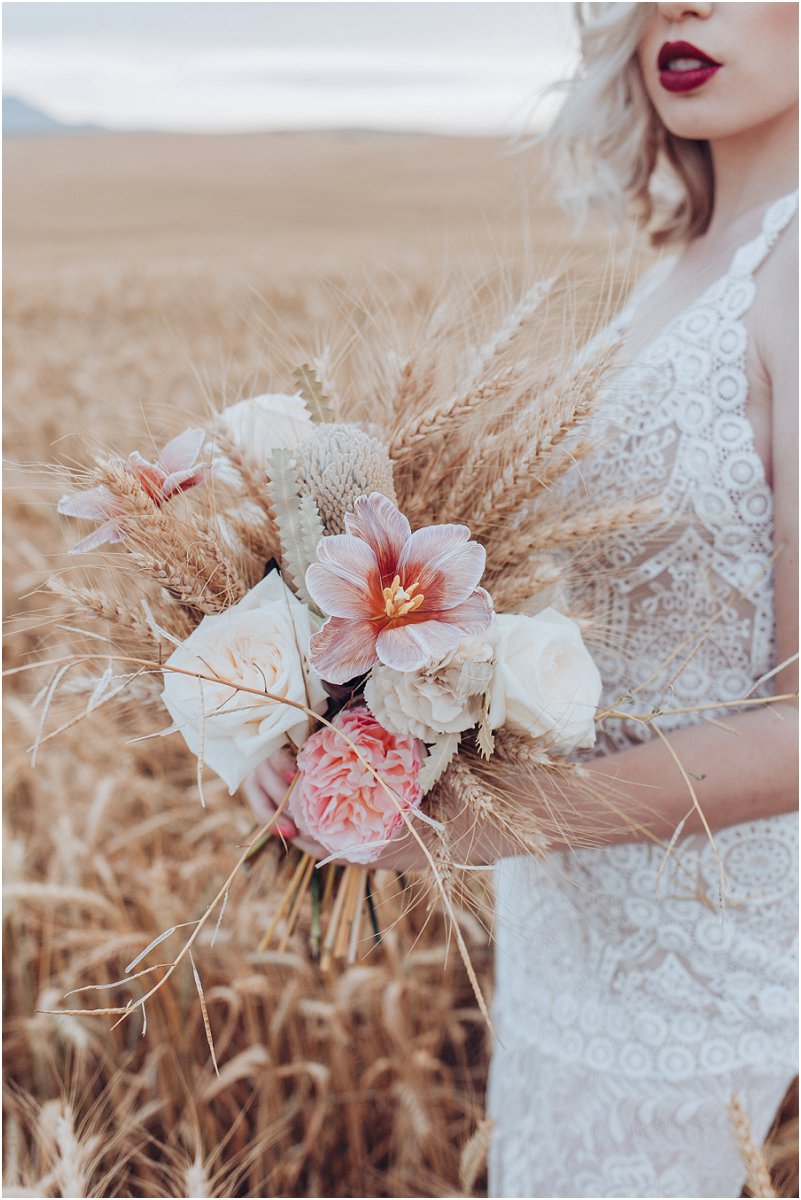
(175, 470)
(338, 802)
(405, 599)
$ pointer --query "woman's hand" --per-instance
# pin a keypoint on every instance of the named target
(266, 788)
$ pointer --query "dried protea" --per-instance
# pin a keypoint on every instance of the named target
(338, 463)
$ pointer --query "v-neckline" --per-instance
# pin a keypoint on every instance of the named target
(629, 313)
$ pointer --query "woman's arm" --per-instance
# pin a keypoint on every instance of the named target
(742, 772)
(745, 771)
(739, 773)
(777, 346)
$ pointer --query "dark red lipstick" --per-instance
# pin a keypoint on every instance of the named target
(683, 67)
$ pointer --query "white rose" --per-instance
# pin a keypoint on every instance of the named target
(262, 642)
(267, 423)
(546, 683)
(443, 698)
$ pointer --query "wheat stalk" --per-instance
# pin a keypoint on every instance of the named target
(521, 453)
(123, 615)
(254, 486)
(759, 1181)
(488, 379)
(440, 418)
(572, 532)
(473, 1158)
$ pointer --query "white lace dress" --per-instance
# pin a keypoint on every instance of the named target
(629, 1007)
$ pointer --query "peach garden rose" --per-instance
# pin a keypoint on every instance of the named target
(338, 802)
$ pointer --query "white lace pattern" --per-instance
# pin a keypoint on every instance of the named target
(629, 1004)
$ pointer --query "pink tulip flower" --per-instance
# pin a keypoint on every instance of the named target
(405, 599)
(175, 470)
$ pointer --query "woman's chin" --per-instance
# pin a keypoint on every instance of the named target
(707, 118)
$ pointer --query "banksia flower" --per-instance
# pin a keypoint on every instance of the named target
(337, 463)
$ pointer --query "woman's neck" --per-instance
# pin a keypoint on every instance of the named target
(753, 168)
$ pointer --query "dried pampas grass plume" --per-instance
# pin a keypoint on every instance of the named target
(338, 463)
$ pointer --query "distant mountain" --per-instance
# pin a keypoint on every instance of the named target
(21, 119)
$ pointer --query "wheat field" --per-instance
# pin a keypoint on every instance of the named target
(147, 278)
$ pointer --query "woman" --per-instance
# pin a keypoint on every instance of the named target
(630, 1007)
(631, 1004)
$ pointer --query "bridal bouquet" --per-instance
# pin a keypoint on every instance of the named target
(372, 581)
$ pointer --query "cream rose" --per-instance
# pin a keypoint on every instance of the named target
(262, 642)
(267, 423)
(442, 698)
(545, 683)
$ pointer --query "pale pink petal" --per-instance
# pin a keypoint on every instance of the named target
(149, 476)
(138, 463)
(345, 582)
(343, 649)
(378, 522)
(416, 644)
(94, 504)
(444, 563)
(473, 615)
(99, 537)
(181, 453)
(182, 481)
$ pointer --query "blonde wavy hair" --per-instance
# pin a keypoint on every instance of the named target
(609, 144)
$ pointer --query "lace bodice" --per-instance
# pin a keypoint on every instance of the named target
(633, 998)
(676, 428)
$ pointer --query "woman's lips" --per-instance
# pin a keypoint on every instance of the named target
(683, 67)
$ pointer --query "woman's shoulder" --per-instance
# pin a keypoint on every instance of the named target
(776, 301)
(781, 263)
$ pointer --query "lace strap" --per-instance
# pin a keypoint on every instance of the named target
(751, 256)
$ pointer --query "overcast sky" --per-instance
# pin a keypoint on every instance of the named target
(444, 67)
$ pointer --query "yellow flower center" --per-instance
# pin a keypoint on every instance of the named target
(398, 601)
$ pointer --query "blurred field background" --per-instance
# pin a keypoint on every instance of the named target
(147, 277)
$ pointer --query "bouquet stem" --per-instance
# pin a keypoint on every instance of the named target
(286, 900)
